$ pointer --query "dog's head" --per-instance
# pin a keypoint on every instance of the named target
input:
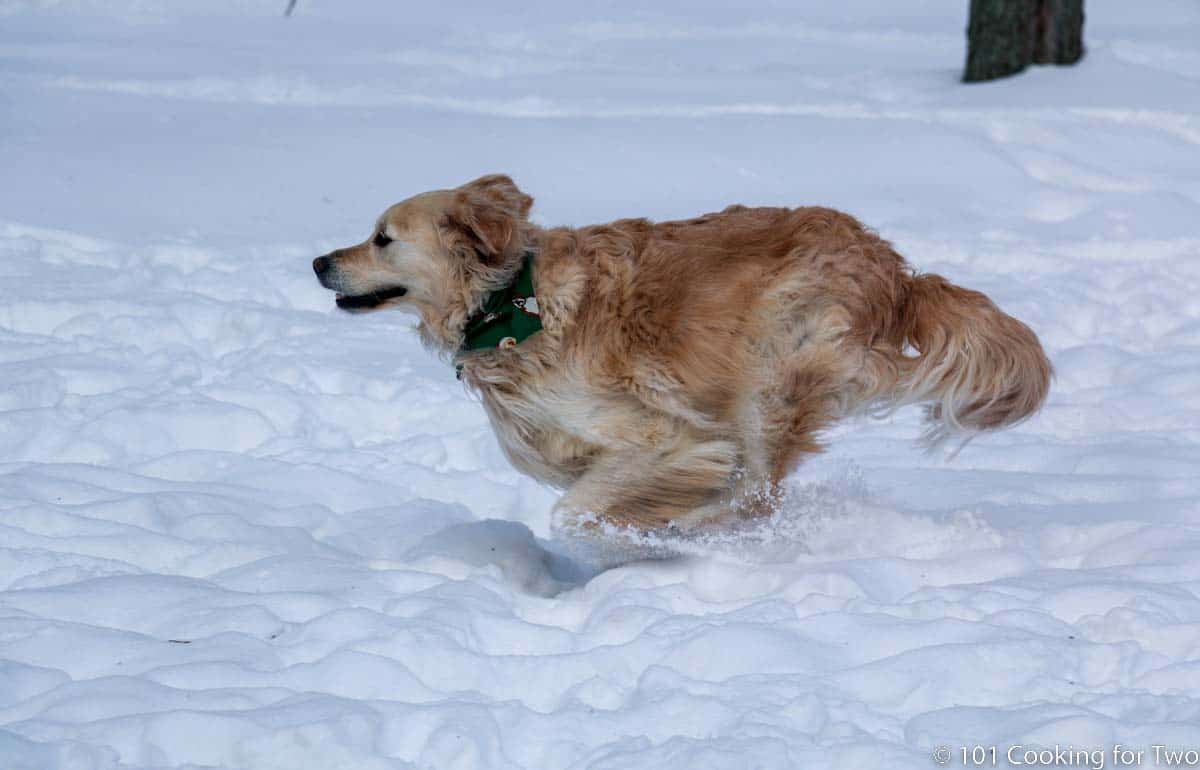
(437, 252)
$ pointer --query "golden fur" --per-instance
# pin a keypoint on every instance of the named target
(686, 367)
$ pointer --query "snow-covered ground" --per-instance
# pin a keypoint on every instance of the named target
(240, 530)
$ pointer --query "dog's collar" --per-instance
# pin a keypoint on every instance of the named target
(509, 316)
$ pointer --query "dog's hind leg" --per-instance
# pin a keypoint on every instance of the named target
(808, 396)
(648, 490)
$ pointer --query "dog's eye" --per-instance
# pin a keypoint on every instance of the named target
(381, 239)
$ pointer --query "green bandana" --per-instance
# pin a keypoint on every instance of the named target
(509, 316)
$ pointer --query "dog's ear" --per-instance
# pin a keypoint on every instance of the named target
(488, 211)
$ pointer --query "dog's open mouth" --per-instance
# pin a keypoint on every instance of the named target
(369, 300)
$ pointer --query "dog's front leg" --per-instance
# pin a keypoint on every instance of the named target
(683, 485)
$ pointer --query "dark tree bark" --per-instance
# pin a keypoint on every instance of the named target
(1059, 33)
(1006, 36)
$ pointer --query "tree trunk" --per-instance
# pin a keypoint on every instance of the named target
(1006, 36)
(1060, 32)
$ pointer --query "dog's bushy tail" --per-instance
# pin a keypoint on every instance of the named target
(981, 368)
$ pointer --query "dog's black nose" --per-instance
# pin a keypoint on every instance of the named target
(321, 264)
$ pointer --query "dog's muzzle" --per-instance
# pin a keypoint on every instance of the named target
(330, 277)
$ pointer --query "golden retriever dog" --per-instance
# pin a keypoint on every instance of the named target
(678, 371)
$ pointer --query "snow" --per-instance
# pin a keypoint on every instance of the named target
(240, 530)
